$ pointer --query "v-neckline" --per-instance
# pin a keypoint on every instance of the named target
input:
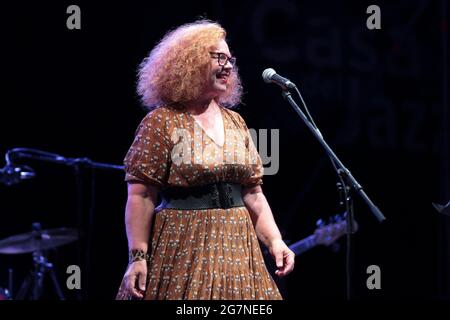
(205, 132)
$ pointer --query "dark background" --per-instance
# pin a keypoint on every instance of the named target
(379, 96)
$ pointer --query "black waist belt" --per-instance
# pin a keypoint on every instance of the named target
(221, 195)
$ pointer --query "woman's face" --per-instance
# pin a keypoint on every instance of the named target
(220, 69)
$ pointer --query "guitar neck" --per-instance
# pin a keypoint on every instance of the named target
(303, 245)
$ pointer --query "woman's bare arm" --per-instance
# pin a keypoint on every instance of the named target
(139, 212)
(266, 228)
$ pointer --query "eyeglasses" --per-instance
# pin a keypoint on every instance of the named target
(222, 58)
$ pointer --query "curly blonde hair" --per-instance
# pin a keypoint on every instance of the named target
(176, 69)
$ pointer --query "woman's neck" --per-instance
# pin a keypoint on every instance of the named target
(199, 107)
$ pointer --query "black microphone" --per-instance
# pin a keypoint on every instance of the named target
(14, 174)
(269, 75)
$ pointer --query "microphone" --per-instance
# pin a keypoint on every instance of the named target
(269, 75)
(14, 174)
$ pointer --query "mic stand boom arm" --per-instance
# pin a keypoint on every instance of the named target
(28, 153)
(341, 169)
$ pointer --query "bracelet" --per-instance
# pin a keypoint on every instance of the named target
(137, 255)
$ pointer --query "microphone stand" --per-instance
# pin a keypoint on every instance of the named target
(76, 164)
(349, 183)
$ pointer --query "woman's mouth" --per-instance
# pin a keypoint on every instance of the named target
(223, 77)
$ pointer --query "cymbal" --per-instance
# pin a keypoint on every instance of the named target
(37, 240)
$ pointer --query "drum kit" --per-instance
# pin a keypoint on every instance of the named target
(37, 243)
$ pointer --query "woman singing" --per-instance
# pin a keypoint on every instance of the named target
(197, 156)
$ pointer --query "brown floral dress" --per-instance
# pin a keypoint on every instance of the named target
(199, 254)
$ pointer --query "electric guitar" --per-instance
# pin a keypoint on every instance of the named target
(325, 234)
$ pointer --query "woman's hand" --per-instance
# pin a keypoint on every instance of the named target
(284, 257)
(136, 278)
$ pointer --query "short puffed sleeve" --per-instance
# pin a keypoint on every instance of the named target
(148, 159)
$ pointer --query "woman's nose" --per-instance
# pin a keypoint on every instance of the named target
(227, 66)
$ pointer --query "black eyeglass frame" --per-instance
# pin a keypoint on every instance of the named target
(221, 55)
